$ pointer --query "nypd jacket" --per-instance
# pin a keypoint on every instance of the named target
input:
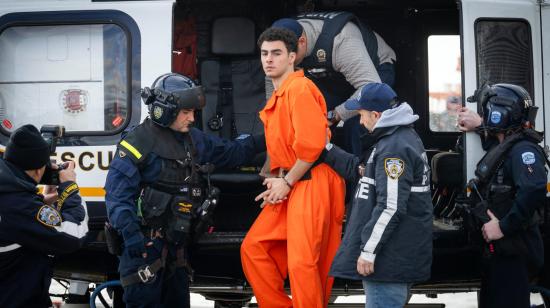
(126, 179)
(30, 232)
(391, 217)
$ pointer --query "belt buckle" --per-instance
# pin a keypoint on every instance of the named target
(145, 274)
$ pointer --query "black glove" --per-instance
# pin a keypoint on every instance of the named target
(135, 246)
(134, 241)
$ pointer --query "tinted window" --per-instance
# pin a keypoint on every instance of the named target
(504, 52)
(70, 75)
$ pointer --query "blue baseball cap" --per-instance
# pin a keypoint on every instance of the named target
(373, 97)
(289, 24)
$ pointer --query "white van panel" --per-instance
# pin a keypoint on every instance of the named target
(473, 10)
(545, 26)
(58, 56)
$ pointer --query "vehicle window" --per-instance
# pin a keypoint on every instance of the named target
(445, 89)
(504, 52)
(70, 75)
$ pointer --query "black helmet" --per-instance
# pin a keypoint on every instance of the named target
(168, 95)
(506, 106)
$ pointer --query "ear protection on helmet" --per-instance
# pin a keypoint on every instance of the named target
(506, 106)
(171, 93)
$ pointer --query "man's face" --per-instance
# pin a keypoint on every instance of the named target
(453, 108)
(183, 121)
(302, 48)
(276, 60)
(369, 118)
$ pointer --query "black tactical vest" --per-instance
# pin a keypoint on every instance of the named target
(170, 202)
(493, 186)
(318, 66)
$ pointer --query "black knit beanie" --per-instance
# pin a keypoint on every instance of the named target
(27, 149)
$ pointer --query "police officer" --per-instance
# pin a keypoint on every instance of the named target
(388, 239)
(154, 189)
(340, 55)
(510, 186)
(33, 227)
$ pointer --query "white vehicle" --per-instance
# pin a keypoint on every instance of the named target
(81, 63)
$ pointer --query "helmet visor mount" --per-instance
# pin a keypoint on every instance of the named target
(192, 98)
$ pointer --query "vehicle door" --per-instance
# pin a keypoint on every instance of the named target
(81, 65)
(501, 43)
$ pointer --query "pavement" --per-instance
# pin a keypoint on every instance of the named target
(451, 300)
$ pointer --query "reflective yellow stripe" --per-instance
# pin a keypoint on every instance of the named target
(131, 148)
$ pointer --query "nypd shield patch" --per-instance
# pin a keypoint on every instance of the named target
(394, 167)
(49, 216)
(528, 158)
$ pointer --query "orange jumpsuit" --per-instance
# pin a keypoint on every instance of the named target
(301, 235)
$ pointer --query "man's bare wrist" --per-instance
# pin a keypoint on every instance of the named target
(287, 182)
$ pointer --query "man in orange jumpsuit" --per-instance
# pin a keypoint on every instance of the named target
(299, 229)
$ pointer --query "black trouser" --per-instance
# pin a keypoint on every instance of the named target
(504, 283)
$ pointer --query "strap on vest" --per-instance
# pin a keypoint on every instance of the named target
(494, 158)
(224, 105)
(333, 24)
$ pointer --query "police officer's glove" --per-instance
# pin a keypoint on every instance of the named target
(136, 247)
(134, 241)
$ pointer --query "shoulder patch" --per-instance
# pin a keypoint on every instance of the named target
(49, 216)
(528, 158)
(394, 167)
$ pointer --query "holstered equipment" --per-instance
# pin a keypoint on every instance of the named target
(113, 239)
(489, 191)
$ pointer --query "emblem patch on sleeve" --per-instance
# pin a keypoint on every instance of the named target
(49, 216)
(528, 158)
(394, 167)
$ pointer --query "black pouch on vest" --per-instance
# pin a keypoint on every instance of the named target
(179, 226)
(154, 205)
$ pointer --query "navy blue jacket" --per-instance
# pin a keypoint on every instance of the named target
(391, 218)
(30, 232)
(124, 180)
(524, 170)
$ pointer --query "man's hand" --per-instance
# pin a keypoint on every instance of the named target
(136, 248)
(468, 120)
(67, 174)
(50, 194)
(364, 267)
(491, 230)
(277, 191)
(335, 119)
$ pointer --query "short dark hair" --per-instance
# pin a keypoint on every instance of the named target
(279, 34)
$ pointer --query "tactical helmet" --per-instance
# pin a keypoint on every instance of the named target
(169, 94)
(506, 106)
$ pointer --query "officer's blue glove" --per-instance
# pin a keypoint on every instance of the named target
(134, 241)
(136, 247)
